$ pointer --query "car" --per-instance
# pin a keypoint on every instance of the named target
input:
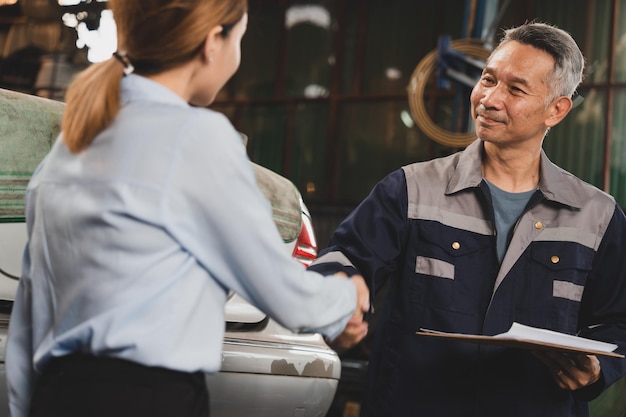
(266, 370)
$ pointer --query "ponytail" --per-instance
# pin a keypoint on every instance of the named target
(93, 101)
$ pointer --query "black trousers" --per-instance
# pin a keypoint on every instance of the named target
(88, 386)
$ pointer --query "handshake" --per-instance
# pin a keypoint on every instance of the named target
(357, 327)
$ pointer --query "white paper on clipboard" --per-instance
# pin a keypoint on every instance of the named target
(533, 338)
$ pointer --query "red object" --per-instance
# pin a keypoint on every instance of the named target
(306, 245)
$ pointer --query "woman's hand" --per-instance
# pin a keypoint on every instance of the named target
(357, 328)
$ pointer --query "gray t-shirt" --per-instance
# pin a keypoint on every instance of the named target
(507, 208)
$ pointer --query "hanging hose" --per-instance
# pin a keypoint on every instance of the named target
(417, 85)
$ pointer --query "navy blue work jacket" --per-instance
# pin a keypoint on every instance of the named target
(428, 231)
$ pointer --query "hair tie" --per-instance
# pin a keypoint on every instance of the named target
(128, 67)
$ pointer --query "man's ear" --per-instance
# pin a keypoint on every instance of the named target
(557, 110)
(213, 43)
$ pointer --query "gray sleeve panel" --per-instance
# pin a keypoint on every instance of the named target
(334, 257)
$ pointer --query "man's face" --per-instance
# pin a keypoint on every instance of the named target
(509, 100)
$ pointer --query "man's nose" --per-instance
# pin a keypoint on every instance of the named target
(493, 96)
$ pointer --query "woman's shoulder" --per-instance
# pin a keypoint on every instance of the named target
(205, 115)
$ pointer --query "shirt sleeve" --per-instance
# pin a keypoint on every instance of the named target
(603, 309)
(214, 208)
(370, 241)
(19, 354)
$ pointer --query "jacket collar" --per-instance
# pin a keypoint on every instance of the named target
(555, 183)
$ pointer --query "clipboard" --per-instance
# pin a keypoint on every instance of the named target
(532, 338)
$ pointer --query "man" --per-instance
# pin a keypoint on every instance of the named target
(489, 236)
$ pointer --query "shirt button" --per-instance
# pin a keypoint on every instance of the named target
(456, 245)
(555, 259)
(538, 225)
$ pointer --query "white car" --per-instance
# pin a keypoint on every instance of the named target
(267, 370)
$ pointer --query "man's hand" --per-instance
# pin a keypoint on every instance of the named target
(356, 329)
(571, 372)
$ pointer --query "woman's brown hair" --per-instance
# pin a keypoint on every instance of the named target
(154, 35)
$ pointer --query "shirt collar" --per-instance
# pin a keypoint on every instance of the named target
(135, 88)
(468, 172)
(555, 183)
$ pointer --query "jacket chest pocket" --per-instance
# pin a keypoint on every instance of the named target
(453, 269)
(559, 272)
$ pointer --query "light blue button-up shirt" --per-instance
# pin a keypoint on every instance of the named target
(135, 242)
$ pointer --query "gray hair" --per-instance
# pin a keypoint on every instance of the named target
(569, 61)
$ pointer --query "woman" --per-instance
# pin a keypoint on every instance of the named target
(141, 219)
